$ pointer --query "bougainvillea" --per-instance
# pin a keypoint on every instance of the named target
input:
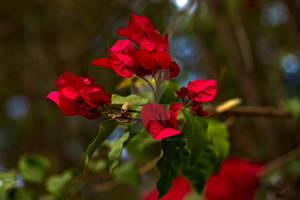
(192, 146)
(78, 95)
(159, 122)
(237, 179)
(199, 91)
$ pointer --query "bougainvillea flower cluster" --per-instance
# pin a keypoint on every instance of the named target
(151, 56)
(159, 122)
(237, 179)
(78, 95)
(199, 91)
(178, 191)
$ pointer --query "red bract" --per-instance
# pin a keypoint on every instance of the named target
(198, 91)
(141, 31)
(182, 92)
(159, 122)
(202, 90)
(179, 189)
(153, 53)
(197, 108)
(121, 59)
(237, 179)
(77, 95)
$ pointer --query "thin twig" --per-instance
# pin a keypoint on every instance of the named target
(279, 162)
(259, 111)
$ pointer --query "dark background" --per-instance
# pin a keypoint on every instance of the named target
(251, 47)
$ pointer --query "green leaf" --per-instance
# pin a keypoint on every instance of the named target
(33, 168)
(57, 184)
(218, 134)
(97, 166)
(166, 92)
(115, 153)
(206, 142)
(21, 193)
(7, 182)
(46, 197)
(172, 161)
(194, 131)
(199, 167)
(104, 131)
(128, 173)
(142, 145)
(293, 105)
(133, 99)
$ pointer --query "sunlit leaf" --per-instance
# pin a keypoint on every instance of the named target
(218, 134)
(133, 99)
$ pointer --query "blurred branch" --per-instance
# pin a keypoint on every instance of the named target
(279, 162)
(259, 111)
(231, 107)
(242, 39)
(178, 17)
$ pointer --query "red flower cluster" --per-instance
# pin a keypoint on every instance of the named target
(199, 91)
(159, 122)
(179, 189)
(152, 55)
(78, 95)
(237, 179)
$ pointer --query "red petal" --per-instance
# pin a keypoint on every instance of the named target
(202, 90)
(120, 68)
(101, 61)
(179, 189)
(68, 106)
(142, 21)
(174, 69)
(71, 80)
(163, 60)
(174, 108)
(152, 111)
(88, 111)
(147, 59)
(216, 188)
(167, 132)
(155, 128)
(182, 92)
(95, 95)
(54, 96)
(123, 32)
(69, 93)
